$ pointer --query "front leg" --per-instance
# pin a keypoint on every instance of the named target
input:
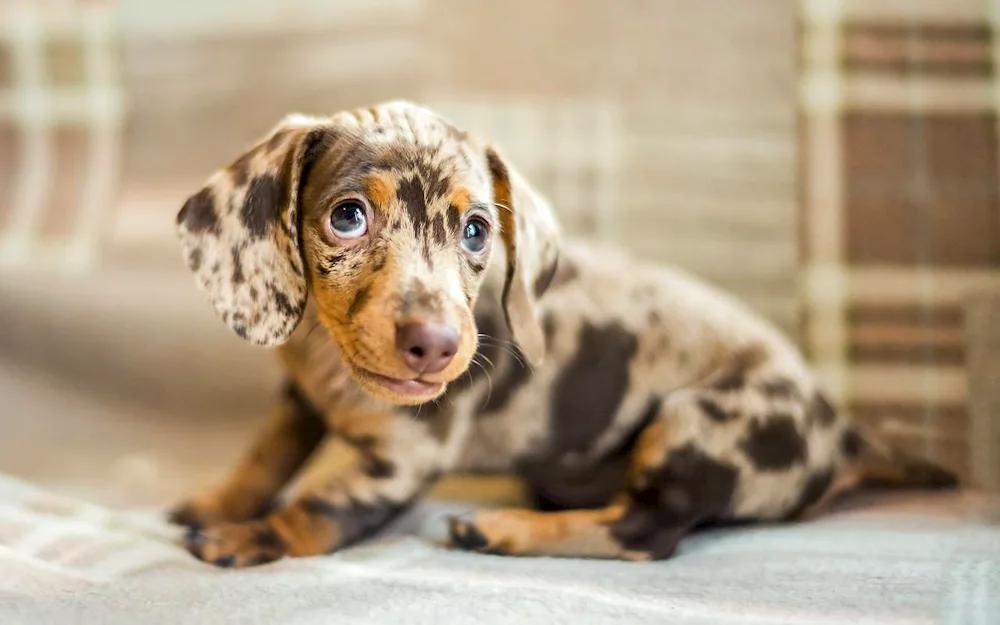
(282, 446)
(343, 498)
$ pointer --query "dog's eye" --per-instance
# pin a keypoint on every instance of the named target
(348, 220)
(475, 235)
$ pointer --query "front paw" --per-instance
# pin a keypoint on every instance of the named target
(464, 534)
(235, 545)
(210, 507)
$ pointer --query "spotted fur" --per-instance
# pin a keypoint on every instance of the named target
(637, 402)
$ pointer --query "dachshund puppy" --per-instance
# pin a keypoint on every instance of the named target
(431, 316)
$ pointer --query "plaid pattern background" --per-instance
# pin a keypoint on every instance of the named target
(855, 212)
(900, 210)
(61, 120)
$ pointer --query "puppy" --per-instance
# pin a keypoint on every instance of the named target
(430, 315)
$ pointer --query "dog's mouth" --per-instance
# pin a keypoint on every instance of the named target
(415, 390)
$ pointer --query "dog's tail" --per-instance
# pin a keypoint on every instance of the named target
(880, 465)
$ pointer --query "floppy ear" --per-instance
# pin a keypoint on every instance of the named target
(240, 234)
(530, 235)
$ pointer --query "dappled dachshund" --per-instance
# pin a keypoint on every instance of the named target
(430, 315)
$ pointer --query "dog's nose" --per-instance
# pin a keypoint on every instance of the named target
(427, 347)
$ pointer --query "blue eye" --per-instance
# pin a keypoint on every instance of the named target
(348, 220)
(475, 236)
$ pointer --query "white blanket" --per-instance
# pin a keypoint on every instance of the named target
(64, 561)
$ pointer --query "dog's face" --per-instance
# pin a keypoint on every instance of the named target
(389, 217)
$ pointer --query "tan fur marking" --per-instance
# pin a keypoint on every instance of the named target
(575, 533)
(460, 199)
(379, 190)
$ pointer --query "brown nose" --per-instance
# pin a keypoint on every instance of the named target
(427, 347)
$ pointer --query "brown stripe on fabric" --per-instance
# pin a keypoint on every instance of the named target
(918, 48)
(902, 354)
(905, 335)
(937, 201)
(939, 316)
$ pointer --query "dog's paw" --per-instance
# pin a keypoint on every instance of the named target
(464, 534)
(235, 545)
(210, 507)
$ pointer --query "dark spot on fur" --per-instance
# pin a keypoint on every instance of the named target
(373, 464)
(553, 487)
(194, 259)
(308, 426)
(355, 520)
(240, 170)
(654, 318)
(253, 294)
(812, 492)
(821, 412)
(277, 139)
(779, 388)
(565, 273)
(477, 266)
(436, 182)
(556, 487)
(282, 302)
(774, 443)
(378, 468)
(440, 234)
(591, 386)
(549, 327)
(238, 277)
(689, 488)
(411, 194)
(359, 301)
(378, 263)
(851, 444)
(453, 218)
(731, 381)
(261, 207)
(714, 411)
(733, 377)
(545, 277)
(515, 375)
(267, 538)
(198, 213)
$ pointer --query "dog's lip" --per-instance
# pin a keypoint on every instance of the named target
(414, 387)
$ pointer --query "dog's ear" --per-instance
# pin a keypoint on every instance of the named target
(530, 235)
(240, 233)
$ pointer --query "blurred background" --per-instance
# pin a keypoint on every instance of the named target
(833, 162)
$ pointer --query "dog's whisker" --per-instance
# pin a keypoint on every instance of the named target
(489, 380)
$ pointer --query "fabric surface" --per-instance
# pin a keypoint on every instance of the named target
(916, 561)
(900, 210)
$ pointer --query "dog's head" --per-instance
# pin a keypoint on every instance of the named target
(388, 217)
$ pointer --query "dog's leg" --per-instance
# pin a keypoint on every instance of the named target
(569, 533)
(672, 486)
(280, 449)
(344, 497)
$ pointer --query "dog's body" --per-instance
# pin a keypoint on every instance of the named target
(661, 404)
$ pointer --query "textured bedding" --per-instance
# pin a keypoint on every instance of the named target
(902, 561)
